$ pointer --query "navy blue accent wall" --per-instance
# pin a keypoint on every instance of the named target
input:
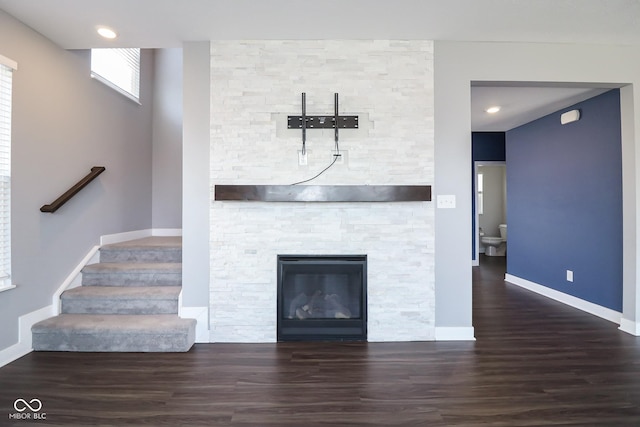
(487, 146)
(564, 202)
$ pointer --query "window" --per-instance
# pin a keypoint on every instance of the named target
(7, 67)
(480, 194)
(118, 69)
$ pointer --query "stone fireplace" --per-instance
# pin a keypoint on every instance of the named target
(254, 85)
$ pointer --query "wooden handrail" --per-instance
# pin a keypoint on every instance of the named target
(95, 171)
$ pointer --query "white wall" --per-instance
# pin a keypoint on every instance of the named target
(167, 139)
(64, 123)
(456, 65)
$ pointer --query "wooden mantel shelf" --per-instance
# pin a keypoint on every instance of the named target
(323, 193)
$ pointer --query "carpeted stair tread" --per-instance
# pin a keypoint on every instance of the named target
(114, 333)
(155, 242)
(148, 249)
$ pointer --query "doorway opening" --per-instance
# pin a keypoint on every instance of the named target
(491, 209)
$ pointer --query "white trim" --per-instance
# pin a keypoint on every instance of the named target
(108, 239)
(74, 279)
(23, 346)
(201, 314)
(6, 288)
(630, 327)
(454, 333)
(589, 307)
(166, 232)
(115, 87)
(8, 62)
(12, 353)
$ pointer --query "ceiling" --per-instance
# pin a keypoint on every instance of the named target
(168, 23)
(523, 102)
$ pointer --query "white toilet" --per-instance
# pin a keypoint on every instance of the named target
(496, 246)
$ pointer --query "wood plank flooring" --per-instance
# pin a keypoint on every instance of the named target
(535, 362)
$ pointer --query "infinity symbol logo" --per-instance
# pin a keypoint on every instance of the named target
(21, 405)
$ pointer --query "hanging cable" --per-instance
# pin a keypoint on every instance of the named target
(335, 159)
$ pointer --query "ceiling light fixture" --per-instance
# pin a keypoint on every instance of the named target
(107, 32)
(493, 110)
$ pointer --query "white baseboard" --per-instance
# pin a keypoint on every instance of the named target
(166, 232)
(454, 333)
(201, 314)
(630, 327)
(74, 279)
(12, 353)
(580, 304)
(108, 239)
(23, 346)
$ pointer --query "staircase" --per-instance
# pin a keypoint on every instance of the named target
(127, 303)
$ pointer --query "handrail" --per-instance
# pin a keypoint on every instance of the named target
(95, 171)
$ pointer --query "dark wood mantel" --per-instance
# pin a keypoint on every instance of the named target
(323, 193)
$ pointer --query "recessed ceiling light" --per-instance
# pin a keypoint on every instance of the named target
(107, 32)
(493, 110)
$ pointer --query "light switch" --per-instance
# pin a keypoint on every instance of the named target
(569, 275)
(446, 201)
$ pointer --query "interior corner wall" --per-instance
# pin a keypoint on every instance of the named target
(565, 201)
(457, 64)
(167, 139)
(195, 174)
(64, 123)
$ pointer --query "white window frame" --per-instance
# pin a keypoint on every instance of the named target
(480, 183)
(7, 67)
(118, 68)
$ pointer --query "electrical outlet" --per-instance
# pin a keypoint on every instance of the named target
(569, 275)
(303, 158)
(342, 158)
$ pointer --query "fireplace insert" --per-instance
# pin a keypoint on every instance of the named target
(322, 297)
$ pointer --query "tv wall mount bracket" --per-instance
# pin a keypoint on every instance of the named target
(327, 121)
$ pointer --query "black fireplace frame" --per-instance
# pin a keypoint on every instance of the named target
(322, 329)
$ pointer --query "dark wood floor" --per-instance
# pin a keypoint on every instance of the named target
(535, 362)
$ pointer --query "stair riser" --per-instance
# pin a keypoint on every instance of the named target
(131, 279)
(114, 342)
(119, 306)
(124, 255)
